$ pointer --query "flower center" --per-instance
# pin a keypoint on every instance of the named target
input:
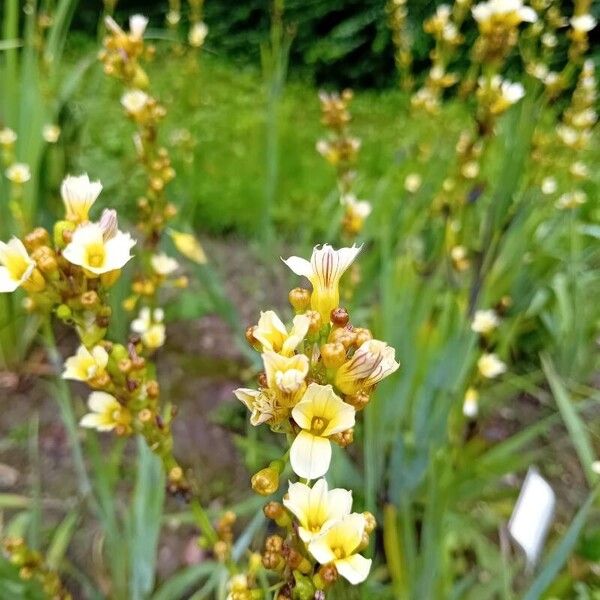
(96, 255)
(338, 552)
(318, 425)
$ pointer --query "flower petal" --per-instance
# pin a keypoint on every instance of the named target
(310, 455)
(354, 568)
(300, 266)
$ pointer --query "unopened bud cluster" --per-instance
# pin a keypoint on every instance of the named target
(32, 567)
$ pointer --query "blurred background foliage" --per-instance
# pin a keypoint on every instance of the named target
(337, 43)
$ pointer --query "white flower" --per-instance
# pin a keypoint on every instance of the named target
(273, 335)
(85, 365)
(320, 414)
(583, 23)
(571, 199)
(549, 185)
(549, 40)
(512, 11)
(106, 414)
(97, 252)
(490, 366)
(471, 403)
(339, 545)
(324, 271)
(285, 375)
(197, 34)
(78, 195)
(359, 208)
(135, 102)
(149, 325)
(512, 92)
(316, 508)
(263, 405)
(18, 173)
(16, 266)
(7, 137)
(371, 363)
(485, 321)
(412, 183)
(163, 265)
(51, 133)
(137, 26)
(579, 170)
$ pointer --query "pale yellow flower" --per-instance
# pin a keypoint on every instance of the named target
(583, 23)
(135, 102)
(99, 250)
(51, 133)
(549, 185)
(106, 413)
(189, 246)
(149, 325)
(490, 366)
(316, 508)
(339, 545)
(18, 173)
(86, 365)
(412, 183)
(262, 404)
(286, 375)
(197, 34)
(324, 271)
(485, 321)
(78, 195)
(320, 414)
(137, 26)
(163, 265)
(273, 335)
(505, 12)
(571, 200)
(16, 266)
(373, 361)
(471, 403)
(7, 137)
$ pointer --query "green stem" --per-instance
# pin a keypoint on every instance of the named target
(63, 397)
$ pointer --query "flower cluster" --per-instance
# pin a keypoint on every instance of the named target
(324, 539)
(564, 150)
(498, 23)
(444, 26)
(318, 374)
(489, 366)
(123, 51)
(70, 274)
(33, 567)
(341, 150)
(398, 24)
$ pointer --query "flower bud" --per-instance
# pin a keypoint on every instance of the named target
(36, 238)
(315, 321)
(89, 299)
(339, 317)
(370, 522)
(63, 312)
(299, 299)
(63, 231)
(35, 283)
(110, 278)
(333, 355)
(359, 400)
(266, 481)
(362, 335)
